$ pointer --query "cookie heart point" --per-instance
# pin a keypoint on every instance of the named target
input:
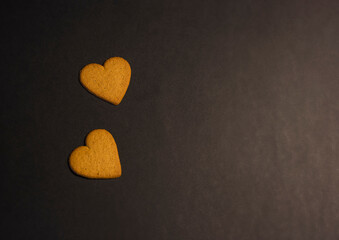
(99, 158)
(108, 82)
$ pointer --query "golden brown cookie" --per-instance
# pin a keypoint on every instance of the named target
(99, 158)
(109, 82)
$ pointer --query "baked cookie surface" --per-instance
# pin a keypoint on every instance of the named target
(99, 158)
(108, 82)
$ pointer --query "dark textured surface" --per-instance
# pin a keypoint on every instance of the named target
(229, 129)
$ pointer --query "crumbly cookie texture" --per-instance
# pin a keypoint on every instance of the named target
(99, 158)
(108, 82)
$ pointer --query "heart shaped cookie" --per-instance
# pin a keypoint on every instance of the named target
(110, 81)
(99, 158)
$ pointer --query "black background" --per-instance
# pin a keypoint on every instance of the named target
(228, 130)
